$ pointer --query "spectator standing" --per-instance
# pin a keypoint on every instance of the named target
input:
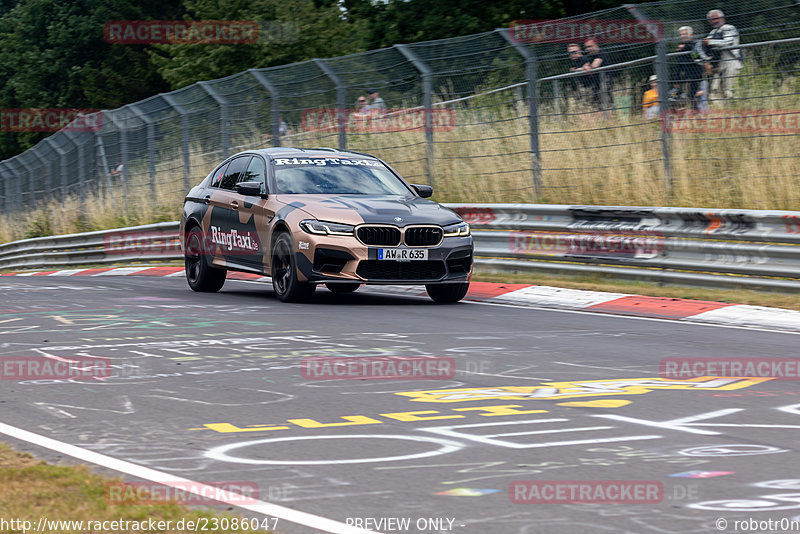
(650, 107)
(725, 63)
(283, 128)
(377, 106)
(599, 82)
(119, 167)
(688, 71)
(575, 62)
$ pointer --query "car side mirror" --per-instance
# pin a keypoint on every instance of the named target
(250, 189)
(424, 191)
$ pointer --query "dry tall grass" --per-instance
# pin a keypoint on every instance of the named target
(586, 158)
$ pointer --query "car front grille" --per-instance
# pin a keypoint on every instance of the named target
(401, 270)
(379, 236)
(423, 236)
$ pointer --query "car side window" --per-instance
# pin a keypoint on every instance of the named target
(235, 168)
(256, 172)
(218, 174)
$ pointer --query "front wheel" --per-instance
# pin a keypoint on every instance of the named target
(284, 273)
(343, 287)
(447, 293)
(200, 275)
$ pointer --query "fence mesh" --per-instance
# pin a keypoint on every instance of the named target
(507, 121)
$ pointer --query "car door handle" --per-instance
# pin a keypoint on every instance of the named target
(207, 199)
(234, 205)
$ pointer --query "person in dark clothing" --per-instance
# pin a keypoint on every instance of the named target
(575, 62)
(599, 82)
(688, 70)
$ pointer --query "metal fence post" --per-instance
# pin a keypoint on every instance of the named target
(47, 181)
(67, 135)
(80, 155)
(531, 76)
(427, 105)
(16, 168)
(187, 164)
(100, 154)
(62, 163)
(557, 97)
(662, 73)
(4, 178)
(275, 103)
(151, 146)
(341, 101)
(224, 122)
(123, 147)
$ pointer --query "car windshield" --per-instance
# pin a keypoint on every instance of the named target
(336, 176)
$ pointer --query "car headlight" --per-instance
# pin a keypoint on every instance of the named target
(457, 230)
(313, 226)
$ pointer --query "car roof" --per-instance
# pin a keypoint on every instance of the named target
(277, 152)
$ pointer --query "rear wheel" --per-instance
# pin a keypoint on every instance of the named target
(447, 293)
(284, 272)
(200, 275)
(344, 287)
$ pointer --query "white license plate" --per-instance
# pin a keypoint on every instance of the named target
(402, 254)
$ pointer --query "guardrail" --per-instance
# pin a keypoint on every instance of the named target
(722, 248)
(146, 243)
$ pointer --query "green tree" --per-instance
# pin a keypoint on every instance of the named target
(407, 21)
(52, 55)
(290, 31)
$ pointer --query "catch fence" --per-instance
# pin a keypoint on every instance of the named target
(490, 117)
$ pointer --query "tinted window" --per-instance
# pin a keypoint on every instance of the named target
(256, 172)
(336, 176)
(218, 176)
(233, 171)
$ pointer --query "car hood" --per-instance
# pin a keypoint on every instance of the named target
(359, 209)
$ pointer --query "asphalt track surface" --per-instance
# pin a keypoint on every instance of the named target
(209, 387)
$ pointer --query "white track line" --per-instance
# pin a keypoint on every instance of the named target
(190, 486)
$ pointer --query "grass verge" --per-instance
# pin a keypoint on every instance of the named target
(32, 489)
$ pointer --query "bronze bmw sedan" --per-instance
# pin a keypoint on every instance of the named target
(321, 216)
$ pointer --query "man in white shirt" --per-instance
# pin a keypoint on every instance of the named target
(726, 63)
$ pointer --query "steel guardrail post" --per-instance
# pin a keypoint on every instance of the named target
(427, 105)
(275, 103)
(531, 75)
(45, 167)
(224, 121)
(663, 75)
(341, 101)
(6, 182)
(151, 145)
(62, 163)
(187, 162)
